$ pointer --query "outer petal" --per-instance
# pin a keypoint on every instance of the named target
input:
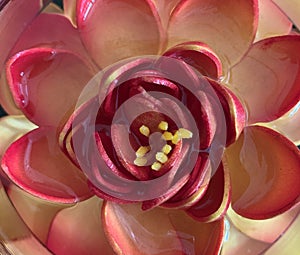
(228, 27)
(272, 21)
(36, 164)
(291, 8)
(41, 78)
(15, 237)
(264, 230)
(11, 128)
(264, 168)
(114, 30)
(14, 16)
(159, 231)
(268, 78)
(288, 124)
(78, 230)
(289, 242)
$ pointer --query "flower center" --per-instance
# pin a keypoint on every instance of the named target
(160, 145)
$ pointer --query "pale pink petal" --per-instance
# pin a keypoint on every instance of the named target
(237, 243)
(159, 231)
(14, 16)
(289, 241)
(264, 230)
(78, 230)
(11, 128)
(227, 26)
(36, 164)
(272, 21)
(46, 83)
(265, 177)
(37, 213)
(291, 8)
(288, 124)
(15, 237)
(114, 30)
(268, 78)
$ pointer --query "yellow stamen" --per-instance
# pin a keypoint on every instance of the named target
(167, 149)
(140, 161)
(161, 157)
(156, 166)
(176, 138)
(167, 136)
(163, 125)
(142, 151)
(184, 133)
(144, 130)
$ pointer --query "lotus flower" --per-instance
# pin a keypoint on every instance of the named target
(150, 127)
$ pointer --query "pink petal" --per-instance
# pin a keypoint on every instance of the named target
(36, 164)
(264, 230)
(78, 230)
(11, 128)
(228, 27)
(288, 124)
(14, 16)
(159, 231)
(199, 56)
(215, 202)
(289, 242)
(37, 213)
(114, 30)
(291, 8)
(238, 243)
(264, 168)
(15, 237)
(272, 21)
(268, 78)
(41, 78)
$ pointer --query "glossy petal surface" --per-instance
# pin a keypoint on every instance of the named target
(36, 164)
(199, 56)
(291, 8)
(41, 78)
(288, 124)
(268, 78)
(272, 21)
(159, 231)
(114, 30)
(264, 168)
(228, 27)
(216, 199)
(78, 230)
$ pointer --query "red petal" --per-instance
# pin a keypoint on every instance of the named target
(114, 30)
(268, 78)
(291, 8)
(36, 164)
(199, 56)
(272, 21)
(41, 78)
(159, 231)
(264, 168)
(78, 230)
(228, 27)
(215, 202)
